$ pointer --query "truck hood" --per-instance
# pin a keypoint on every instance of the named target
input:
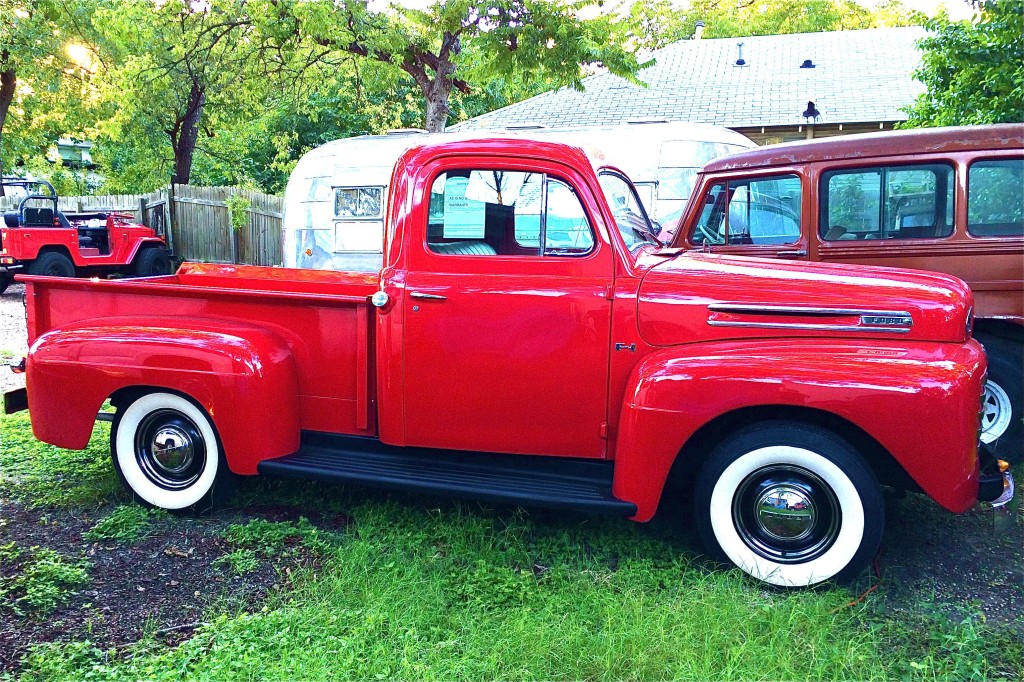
(698, 296)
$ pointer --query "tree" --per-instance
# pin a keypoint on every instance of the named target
(40, 82)
(543, 38)
(973, 72)
(656, 23)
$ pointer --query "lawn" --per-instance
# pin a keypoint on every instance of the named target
(367, 585)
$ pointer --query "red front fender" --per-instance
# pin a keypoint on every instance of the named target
(242, 375)
(920, 401)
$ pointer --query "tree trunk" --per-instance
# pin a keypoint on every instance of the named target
(437, 94)
(8, 83)
(187, 133)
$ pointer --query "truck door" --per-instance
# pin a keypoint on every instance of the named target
(506, 317)
(751, 216)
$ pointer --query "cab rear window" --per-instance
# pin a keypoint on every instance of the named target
(995, 198)
(889, 202)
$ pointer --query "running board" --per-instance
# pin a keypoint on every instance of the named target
(584, 485)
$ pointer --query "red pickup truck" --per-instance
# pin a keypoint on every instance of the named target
(527, 341)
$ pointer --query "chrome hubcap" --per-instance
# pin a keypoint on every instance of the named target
(786, 514)
(996, 412)
(172, 449)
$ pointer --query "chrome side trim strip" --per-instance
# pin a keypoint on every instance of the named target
(810, 327)
(756, 309)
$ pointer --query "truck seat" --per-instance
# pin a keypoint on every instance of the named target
(464, 248)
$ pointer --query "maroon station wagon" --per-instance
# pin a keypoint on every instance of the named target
(944, 199)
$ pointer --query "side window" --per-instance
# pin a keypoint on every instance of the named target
(506, 213)
(995, 198)
(359, 219)
(764, 211)
(900, 202)
(761, 211)
(710, 229)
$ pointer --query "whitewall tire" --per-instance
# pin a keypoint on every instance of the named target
(790, 504)
(166, 452)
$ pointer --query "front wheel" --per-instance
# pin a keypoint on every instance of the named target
(790, 504)
(166, 452)
(152, 262)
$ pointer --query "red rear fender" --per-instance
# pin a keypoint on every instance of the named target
(242, 375)
(891, 391)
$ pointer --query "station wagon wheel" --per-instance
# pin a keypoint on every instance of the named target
(166, 452)
(1002, 410)
(790, 504)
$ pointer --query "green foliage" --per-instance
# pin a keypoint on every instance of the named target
(126, 523)
(239, 561)
(656, 23)
(42, 580)
(973, 72)
(272, 538)
(238, 209)
(37, 474)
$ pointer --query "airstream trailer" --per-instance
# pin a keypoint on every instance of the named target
(335, 199)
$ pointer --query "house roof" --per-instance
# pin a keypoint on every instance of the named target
(859, 77)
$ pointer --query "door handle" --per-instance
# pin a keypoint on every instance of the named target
(431, 297)
(793, 253)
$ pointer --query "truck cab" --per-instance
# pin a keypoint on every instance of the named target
(526, 340)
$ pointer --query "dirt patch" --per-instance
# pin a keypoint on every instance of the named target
(164, 584)
(13, 337)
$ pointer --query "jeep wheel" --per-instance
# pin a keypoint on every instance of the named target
(5, 281)
(166, 452)
(152, 262)
(52, 264)
(790, 504)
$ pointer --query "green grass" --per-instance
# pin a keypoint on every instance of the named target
(125, 523)
(42, 475)
(40, 579)
(425, 588)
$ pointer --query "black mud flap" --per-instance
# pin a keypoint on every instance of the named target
(15, 401)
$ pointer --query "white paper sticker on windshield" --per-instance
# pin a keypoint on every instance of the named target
(463, 218)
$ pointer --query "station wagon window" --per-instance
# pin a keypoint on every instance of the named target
(995, 198)
(359, 219)
(751, 211)
(898, 202)
(508, 213)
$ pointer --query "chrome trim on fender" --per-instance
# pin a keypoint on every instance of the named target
(809, 327)
(1008, 491)
(755, 309)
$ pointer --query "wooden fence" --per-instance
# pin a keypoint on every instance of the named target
(196, 221)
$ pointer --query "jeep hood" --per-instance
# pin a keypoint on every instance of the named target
(698, 296)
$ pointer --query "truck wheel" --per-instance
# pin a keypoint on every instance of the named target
(166, 452)
(152, 262)
(5, 281)
(1002, 418)
(52, 264)
(790, 504)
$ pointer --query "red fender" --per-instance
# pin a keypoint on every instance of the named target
(885, 388)
(242, 375)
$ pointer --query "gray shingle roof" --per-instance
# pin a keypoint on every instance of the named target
(860, 76)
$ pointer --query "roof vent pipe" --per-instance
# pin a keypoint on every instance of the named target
(808, 64)
(698, 30)
(740, 61)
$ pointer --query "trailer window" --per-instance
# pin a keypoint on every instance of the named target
(897, 202)
(358, 202)
(995, 198)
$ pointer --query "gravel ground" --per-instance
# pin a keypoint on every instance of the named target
(13, 339)
(929, 557)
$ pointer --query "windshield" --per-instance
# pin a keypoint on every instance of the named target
(629, 213)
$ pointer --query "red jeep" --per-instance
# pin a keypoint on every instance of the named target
(39, 239)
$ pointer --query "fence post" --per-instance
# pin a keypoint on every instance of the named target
(232, 234)
(142, 211)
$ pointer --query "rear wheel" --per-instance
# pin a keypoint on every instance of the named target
(152, 262)
(790, 504)
(52, 264)
(1002, 417)
(5, 281)
(166, 452)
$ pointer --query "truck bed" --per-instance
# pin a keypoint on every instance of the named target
(322, 317)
